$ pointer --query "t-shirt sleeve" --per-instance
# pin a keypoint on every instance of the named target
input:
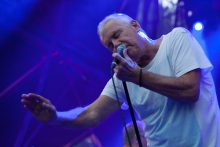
(110, 92)
(185, 53)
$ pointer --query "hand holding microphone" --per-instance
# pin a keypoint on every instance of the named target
(124, 67)
(120, 49)
(120, 55)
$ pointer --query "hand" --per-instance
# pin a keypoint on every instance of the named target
(127, 69)
(40, 107)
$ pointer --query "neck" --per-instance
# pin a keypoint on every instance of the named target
(149, 51)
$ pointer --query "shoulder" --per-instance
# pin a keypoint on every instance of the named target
(179, 33)
(180, 30)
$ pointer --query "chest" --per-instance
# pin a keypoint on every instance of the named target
(147, 102)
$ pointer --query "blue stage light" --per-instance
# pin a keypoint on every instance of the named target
(198, 26)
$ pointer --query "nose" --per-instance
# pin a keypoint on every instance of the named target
(115, 43)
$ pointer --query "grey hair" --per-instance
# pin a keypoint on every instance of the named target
(119, 17)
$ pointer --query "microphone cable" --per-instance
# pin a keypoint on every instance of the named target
(120, 109)
(120, 50)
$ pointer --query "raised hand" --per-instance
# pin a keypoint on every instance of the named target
(40, 107)
(127, 69)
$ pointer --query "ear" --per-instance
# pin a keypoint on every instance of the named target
(135, 25)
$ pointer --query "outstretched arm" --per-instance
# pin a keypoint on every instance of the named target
(45, 111)
(93, 114)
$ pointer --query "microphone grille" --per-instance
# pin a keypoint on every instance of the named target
(120, 49)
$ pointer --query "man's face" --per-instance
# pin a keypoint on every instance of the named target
(116, 33)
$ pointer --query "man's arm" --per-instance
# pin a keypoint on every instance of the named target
(93, 114)
(184, 88)
(45, 111)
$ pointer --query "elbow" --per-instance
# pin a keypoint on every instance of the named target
(92, 123)
(194, 98)
(86, 120)
(195, 94)
(88, 124)
(188, 98)
(93, 120)
(192, 95)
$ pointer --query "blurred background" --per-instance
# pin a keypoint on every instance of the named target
(52, 48)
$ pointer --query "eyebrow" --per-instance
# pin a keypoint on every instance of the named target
(113, 33)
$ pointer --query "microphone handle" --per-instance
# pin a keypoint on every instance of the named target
(119, 50)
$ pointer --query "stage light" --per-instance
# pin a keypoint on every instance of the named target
(189, 13)
(198, 26)
(170, 4)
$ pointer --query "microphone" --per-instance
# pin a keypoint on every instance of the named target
(119, 50)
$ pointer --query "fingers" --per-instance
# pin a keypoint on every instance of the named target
(122, 64)
(125, 53)
(34, 98)
(118, 57)
(39, 106)
(43, 108)
(34, 102)
(33, 107)
(121, 60)
(29, 101)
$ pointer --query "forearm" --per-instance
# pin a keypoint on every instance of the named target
(76, 118)
(179, 88)
(89, 116)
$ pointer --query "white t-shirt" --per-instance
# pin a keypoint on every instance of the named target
(170, 123)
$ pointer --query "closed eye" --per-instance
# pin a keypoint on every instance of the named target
(116, 34)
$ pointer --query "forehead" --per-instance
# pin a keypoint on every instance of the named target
(109, 28)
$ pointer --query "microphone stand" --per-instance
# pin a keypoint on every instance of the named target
(132, 113)
(120, 50)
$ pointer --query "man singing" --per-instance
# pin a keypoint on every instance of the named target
(169, 81)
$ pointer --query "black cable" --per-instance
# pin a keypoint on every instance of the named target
(132, 114)
(120, 49)
(121, 113)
